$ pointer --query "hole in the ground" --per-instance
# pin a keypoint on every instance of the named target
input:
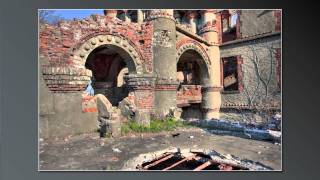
(193, 161)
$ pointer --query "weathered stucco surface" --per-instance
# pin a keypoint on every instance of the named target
(259, 62)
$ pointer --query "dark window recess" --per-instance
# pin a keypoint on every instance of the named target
(141, 41)
(230, 26)
(232, 74)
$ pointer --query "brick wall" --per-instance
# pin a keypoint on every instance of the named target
(187, 94)
(144, 99)
(58, 42)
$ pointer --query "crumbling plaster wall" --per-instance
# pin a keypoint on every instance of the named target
(256, 76)
(60, 114)
(253, 22)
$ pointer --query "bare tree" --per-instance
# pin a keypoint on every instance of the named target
(49, 17)
(262, 58)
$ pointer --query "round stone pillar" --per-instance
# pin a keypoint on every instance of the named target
(211, 93)
(211, 101)
(164, 60)
(139, 16)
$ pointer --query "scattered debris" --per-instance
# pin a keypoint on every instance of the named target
(235, 128)
(116, 150)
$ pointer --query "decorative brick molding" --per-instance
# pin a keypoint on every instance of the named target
(166, 84)
(66, 79)
(254, 106)
(211, 88)
(160, 13)
(90, 44)
(207, 109)
(140, 82)
(186, 44)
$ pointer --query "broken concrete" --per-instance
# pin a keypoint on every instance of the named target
(127, 108)
(104, 106)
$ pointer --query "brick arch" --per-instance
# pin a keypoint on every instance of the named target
(84, 49)
(188, 44)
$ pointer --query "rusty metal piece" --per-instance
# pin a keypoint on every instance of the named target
(159, 161)
(179, 162)
(203, 166)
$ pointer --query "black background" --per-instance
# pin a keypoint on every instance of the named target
(19, 89)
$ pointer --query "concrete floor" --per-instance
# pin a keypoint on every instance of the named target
(89, 152)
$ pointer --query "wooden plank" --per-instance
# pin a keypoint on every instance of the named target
(158, 161)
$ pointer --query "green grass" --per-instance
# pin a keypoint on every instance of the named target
(169, 124)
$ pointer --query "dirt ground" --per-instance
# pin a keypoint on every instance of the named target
(89, 152)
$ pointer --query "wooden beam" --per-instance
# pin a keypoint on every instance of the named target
(158, 161)
(203, 166)
(179, 162)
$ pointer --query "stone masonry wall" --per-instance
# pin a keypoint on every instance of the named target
(255, 94)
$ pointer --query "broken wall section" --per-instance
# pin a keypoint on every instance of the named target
(61, 114)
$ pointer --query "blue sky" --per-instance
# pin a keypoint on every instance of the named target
(79, 14)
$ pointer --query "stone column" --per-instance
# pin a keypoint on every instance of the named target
(139, 16)
(211, 96)
(164, 60)
(141, 87)
(192, 17)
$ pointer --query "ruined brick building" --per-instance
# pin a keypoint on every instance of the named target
(205, 64)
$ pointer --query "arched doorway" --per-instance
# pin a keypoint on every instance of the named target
(109, 64)
(192, 73)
